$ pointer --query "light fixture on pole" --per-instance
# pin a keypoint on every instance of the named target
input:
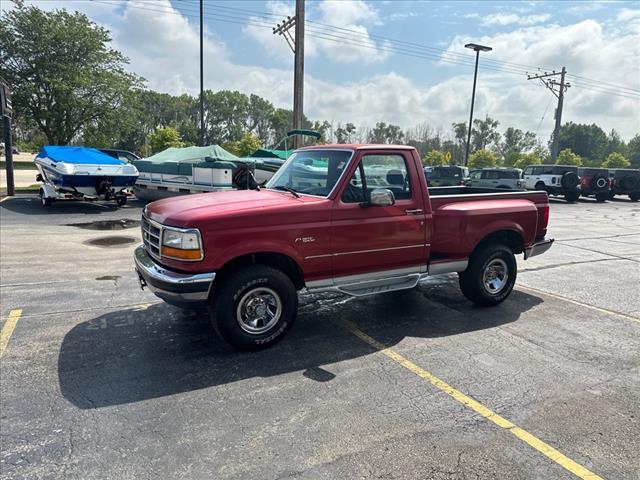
(477, 48)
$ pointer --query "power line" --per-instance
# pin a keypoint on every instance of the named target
(409, 49)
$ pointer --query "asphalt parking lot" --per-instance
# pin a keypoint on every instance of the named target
(101, 380)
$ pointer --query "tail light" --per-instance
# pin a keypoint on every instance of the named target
(543, 220)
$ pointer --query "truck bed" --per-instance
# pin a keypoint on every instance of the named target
(462, 216)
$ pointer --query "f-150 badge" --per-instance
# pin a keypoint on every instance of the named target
(305, 239)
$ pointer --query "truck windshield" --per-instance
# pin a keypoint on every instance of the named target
(311, 172)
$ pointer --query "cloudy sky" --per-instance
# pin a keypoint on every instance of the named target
(395, 61)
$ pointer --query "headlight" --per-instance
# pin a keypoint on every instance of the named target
(181, 244)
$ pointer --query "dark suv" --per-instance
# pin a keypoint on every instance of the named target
(594, 181)
(446, 176)
(625, 181)
(554, 179)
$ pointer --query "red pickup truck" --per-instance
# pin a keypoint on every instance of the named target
(359, 219)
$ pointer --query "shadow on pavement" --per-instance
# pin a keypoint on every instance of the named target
(129, 356)
(30, 205)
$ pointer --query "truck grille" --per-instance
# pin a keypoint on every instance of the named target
(151, 236)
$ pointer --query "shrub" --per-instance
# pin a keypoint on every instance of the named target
(483, 158)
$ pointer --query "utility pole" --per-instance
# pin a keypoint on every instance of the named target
(297, 47)
(547, 79)
(6, 110)
(201, 142)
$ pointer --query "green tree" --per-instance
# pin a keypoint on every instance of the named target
(259, 116)
(244, 147)
(616, 160)
(460, 135)
(483, 158)
(434, 157)
(525, 159)
(64, 75)
(164, 138)
(514, 143)
(567, 157)
(226, 116)
(383, 133)
(484, 133)
(587, 141)
(344, 134)
(633, 147)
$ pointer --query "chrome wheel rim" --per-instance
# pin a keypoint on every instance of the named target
(258, 310)
(496, 275)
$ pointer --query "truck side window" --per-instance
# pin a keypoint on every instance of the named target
(380, 171)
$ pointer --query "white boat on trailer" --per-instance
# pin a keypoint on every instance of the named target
(82, 173)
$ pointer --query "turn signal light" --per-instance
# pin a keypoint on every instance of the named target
(180, 254)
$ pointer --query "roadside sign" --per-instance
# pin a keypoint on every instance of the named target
(5, 100)
(447, 157)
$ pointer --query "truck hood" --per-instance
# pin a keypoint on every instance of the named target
(191, 210)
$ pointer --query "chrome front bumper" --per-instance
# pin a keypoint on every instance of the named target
(171, 286)
(538, 247)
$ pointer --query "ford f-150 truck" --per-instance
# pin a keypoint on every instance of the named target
(359, 219)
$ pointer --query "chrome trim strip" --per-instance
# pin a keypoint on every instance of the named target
(448, 267)
(361, 278)
(365, 251)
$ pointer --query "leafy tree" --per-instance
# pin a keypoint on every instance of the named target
(383, 133)
(514, 143)
(616, 144)
(344, 134)
(226, 114)
(588, 141)
(460, 134)
(484, 133)
(244, 147)
(259, 118)
(633, 148)
(616, 160)
(65, 77)
(525, 159)
(567, 157)
(483, 158)
(434, 157)
(164, 138)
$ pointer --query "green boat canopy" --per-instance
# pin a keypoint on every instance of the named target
(180, 161)
(266, 153)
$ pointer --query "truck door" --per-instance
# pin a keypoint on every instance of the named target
(375, 238)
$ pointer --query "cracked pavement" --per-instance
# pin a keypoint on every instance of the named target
(101, 380)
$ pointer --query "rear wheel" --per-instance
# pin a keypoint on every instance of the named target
(540, 186)
(45, 201)
(490, 276)
(571, 197)
(634, 197)
(254, 307)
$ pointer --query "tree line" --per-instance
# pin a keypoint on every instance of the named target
(70, 87)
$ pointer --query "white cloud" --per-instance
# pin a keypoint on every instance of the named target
(502, 19)
(353, 15)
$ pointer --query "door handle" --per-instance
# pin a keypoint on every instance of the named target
(415, 211)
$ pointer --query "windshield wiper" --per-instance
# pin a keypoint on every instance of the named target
(287, 189)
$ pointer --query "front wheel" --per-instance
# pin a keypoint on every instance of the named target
(571, 197)
(490, 276)
(254, 307)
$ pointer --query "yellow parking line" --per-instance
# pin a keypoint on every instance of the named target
(8, 328)
(542, 447)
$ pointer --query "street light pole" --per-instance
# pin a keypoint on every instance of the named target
(477, 48)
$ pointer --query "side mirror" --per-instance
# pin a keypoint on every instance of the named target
(382, 197)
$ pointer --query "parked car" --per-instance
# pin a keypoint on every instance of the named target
(625, 181)
(366, 223)
(561, 180)
(14, 149)
(594, 181)
(505, 178)
(446, 176)
(124, 155)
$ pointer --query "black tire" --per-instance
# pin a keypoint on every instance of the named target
(571, 197)
(599, 183)
(569, 180)
(472, 280)
(245, 285)
(629, 182)
(602, 197)
(121, 200)
(45, 201)
(540, 186)
(634, 197)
